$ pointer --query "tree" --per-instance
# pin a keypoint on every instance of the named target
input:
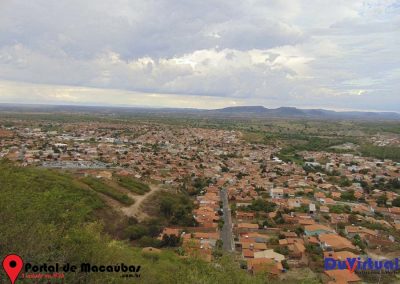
(348, 195)
(337, 208)
(233, 208)
(221, 223)
(285, 264)
(396, 202)
(135, 232)
(262, 205)
(353, 219)
(170, 240)
(267, 224)
(282, 250)
(273, 241)
(381, 200)
(299, 231)
(313, 249)
(394, 183)
(224, 169)
(344, 181)
(177, 209)
(341, 225)
(358, 242)
(166, 206)
(279, 218)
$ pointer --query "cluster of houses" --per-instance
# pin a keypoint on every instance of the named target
(284, 215)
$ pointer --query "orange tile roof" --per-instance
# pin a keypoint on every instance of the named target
(339, 255)
(299, 247)
(318, 227)
(360, 230)
(247, 253)
(264, 264)
(342, 276)
(283, 242)
(306, 222)
(247, 225)
(253, 235)
(330, 200)
(312, 240)
(255, 246)
(170, 231)
(336, 241)
(245, 214)
(199, 235)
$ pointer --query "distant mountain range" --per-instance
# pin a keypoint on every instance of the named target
(228, 112)
(292, 112)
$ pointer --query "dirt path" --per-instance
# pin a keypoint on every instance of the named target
(377, 254)
(134, 210)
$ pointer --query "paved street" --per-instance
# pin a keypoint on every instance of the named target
(226, 232)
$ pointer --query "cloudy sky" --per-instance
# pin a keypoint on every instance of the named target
(337, 54)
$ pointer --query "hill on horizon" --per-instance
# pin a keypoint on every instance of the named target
(293, 112)
(229, 112)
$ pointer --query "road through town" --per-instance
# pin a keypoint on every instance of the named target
(226, 232)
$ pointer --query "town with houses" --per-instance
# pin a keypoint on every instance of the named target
(273, 216)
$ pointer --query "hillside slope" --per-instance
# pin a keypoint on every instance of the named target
(47, 217)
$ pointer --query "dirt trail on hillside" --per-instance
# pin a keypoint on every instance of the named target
(134, 210)
(378, 254)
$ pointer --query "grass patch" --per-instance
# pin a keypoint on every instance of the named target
(133, 185)
(381, 152)
(254, 137)
(99, 186)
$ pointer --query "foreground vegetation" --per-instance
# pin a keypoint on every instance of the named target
(47, 217)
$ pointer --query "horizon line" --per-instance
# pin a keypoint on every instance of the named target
(193, 108)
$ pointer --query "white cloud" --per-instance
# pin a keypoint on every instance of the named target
(252, 52)
(25, 93)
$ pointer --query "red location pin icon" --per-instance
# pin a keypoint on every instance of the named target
(13, 264)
